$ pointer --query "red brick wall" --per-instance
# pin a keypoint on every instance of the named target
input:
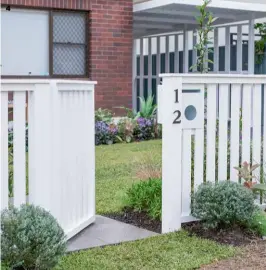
(111, 52)
(110, 45)
(65, 4)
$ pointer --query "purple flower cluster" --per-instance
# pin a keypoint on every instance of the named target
(144, 129)
(104, 133)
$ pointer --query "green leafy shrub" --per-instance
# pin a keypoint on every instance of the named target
(147, 108)
(103, 115)
(146, 196)
(223, 204)
(31, 238)
(258, 223)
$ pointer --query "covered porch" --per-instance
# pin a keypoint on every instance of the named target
(165, 33)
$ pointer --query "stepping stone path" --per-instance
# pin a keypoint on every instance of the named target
(106, 231)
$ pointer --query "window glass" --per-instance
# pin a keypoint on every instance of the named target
(25, 42)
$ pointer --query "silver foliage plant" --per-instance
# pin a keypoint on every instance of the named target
(31, 238)
(223, 204)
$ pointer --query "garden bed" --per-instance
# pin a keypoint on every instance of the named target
(235, 236)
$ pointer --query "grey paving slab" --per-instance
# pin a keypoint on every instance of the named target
(106, 231)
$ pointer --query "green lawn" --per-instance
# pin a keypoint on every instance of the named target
(172, 251)
(116, 171)
(116, 167)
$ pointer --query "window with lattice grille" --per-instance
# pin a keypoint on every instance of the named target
(69, 43)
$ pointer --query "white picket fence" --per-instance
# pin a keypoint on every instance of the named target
(229, 141)
(61, 155)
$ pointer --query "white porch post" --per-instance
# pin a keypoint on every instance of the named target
(149, 67)
(194, 52)
(141, 77)
(158, 59)
(134, 74)
(185, 50)
(177, 70)
(251, 47)
(239, 50)
(167, 66)
(227, 50)
(216, 51)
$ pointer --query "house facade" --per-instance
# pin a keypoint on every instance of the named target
(79, 39)
(122, 44)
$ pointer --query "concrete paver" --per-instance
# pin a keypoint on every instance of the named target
(106, 231)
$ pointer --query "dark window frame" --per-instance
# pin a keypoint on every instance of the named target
(50, 46)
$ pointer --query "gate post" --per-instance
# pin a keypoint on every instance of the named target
(170, 109)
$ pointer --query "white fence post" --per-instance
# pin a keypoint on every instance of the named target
(40, 140)
(172, 153)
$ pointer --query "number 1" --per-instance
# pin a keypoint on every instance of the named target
(176, 96)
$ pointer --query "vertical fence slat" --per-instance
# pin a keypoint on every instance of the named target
(76, 154)
(223, 124)
(199, 157)
(19, 148)
(71, 158)
(234, 127)
(264, 130)
(176, 54)
(91, 158)
(211, 132)
(63, 152)
(32, 183)
(256, 139)
(186, 172)
(246, 122)
(199, 148)
(4, 150)
(82, 165)
(57, 207)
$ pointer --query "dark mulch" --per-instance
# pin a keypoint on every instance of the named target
(141, 220)
(235, 236)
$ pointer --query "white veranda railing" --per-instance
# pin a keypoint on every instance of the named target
(60, 160)
(214, 122)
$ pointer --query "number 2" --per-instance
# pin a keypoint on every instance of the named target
(177, 121)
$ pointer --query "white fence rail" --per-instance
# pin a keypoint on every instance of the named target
(196, 130)
(61, 157)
